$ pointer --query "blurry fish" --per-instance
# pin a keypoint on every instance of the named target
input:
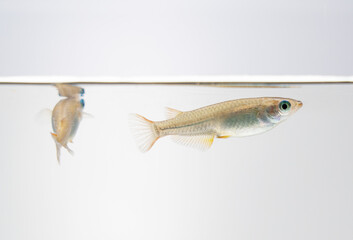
(66, 90)
(198, 128)
(66, 117)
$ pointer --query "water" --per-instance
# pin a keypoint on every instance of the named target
(293, 182)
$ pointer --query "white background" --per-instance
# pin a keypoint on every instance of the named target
(293, 182)
(119, 38)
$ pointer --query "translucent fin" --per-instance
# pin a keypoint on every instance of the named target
(58, 146)
(44, 116)
(171, 112)
(201, 142)
(87, 115)
(69, 150)
(143, 131)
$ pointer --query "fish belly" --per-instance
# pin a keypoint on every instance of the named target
(245, 124)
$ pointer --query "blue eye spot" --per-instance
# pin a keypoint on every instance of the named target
(82, 91)
(284, 105)
(82, 103)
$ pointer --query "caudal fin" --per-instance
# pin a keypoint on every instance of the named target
(143, 131)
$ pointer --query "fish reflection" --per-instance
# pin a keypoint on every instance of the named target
(66, 90)
(198, 128)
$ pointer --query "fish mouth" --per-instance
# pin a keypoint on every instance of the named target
(300, 104)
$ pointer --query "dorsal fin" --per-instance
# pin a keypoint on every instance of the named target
(172, 113)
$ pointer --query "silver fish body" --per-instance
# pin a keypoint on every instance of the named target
(242, 117)
(66, 117)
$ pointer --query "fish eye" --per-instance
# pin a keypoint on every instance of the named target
(82, 103)
(82, 91)
(284, 105)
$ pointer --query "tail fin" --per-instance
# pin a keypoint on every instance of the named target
(58, 146)
(69, 149)
(143, 131)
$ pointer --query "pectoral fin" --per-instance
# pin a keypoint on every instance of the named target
(87, 115)
(201, 142)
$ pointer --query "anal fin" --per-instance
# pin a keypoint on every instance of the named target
(201, 142)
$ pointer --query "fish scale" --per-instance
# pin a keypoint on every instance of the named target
(241, 117)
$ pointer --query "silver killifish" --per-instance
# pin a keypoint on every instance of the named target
(198, 128)
(66, 117)
(66, 90)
